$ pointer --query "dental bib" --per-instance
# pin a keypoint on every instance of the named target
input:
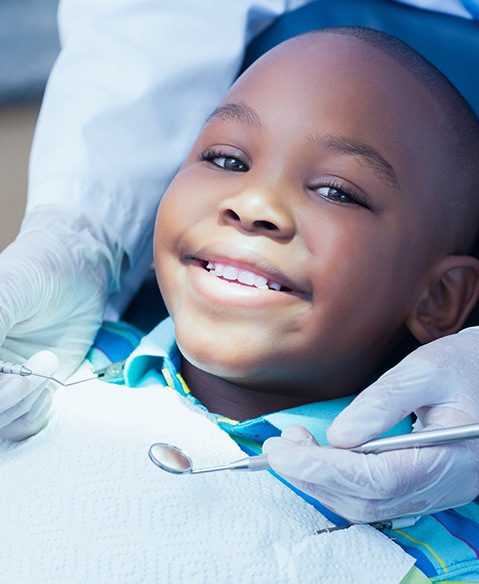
(81, 502)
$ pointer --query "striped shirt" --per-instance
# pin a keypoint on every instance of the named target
(445, 545)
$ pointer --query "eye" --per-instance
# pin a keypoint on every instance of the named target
(341, 195)
(225, 160)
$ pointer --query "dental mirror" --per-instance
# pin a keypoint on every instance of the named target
(174, 460)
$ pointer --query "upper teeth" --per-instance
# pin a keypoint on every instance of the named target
(244, 276)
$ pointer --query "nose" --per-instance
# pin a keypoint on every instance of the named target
(260, 212)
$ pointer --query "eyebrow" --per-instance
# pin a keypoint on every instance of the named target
(371, 157)
(244, 114)
(239, 112)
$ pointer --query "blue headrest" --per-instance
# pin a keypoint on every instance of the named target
(449, 42)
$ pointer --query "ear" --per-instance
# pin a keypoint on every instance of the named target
(451, 293)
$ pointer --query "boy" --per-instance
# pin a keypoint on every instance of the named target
(323, 215)
(322, 218)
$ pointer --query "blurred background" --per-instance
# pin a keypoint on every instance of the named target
(28, 48)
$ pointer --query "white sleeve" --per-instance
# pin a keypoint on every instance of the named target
(133, 84)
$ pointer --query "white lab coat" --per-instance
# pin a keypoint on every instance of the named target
(132, 86)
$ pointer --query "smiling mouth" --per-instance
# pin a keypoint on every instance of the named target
(243, 277)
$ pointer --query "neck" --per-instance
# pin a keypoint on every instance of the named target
(240, 401)
(229, 399)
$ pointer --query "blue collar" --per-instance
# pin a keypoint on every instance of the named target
(158, 355)
(158, 351)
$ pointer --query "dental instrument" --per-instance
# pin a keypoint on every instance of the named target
(396, 523)
(110, 373)
(419, 439)
(172, 459)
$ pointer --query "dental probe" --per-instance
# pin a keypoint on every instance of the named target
(417, 439)
(24, 371)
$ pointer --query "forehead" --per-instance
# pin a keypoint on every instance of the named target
(336, 85)
(355, 75)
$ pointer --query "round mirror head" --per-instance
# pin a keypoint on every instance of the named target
(170, 458)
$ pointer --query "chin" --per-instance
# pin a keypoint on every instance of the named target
(229, 368)
(211, 347)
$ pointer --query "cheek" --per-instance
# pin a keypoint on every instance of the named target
(171, 204)
(164, 219)
(362, 267)
(190, 198)
(168, 227)
(176, 213)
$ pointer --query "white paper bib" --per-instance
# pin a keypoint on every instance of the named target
(82, 503)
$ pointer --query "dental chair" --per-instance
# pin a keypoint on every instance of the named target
(449, 42)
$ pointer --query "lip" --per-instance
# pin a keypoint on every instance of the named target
(249, 260)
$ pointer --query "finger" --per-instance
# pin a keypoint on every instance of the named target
(382, 486)
(405, 388)
(19, 394)
(44, 362)
(383, 476)
(359, 510)
(272, 444)
(461, 409)
(31, 422)
(23, 406)
(13, 389)
(353, 509)
(299, 435)
(290, 436)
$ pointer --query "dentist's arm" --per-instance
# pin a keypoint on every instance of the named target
(440, 383)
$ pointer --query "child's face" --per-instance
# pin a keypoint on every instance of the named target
(313, 181)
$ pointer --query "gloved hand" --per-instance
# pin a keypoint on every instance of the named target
(55, 278)
(25, 401)
(440, 383)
